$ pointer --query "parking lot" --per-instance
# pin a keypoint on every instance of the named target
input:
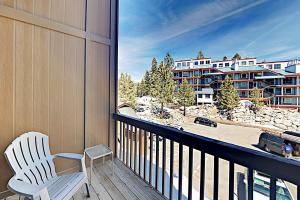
(238, 135)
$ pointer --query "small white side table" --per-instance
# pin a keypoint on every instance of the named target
(98, 151)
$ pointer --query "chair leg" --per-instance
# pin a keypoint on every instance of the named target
(87, 190)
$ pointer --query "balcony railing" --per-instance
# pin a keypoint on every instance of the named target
(136, 137)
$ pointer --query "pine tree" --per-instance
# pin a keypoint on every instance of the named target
(200, 55)
(140, 89)
(225, 58)
(236, 57)
(147, 83)
(154, 77)
(127, 90)
(163, 85)
(185, 95)
(228, 97)
(256, 99)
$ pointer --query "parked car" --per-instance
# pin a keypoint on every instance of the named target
(205, 121)
(275, 144)
(261, 187)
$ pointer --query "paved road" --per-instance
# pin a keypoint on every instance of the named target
(242, 136)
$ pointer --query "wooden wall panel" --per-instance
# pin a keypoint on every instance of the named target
(42, 8)
(7, 93)
(75, 13)
(56, 78)
(24, 77)
(96, 102)
(26, 5)
(58, 10)
(42, 75)
(41, 80)
(99, 17)
(10, 3)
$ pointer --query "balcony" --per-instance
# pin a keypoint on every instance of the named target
(175, 163)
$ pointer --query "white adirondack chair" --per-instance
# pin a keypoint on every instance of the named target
(35, 177)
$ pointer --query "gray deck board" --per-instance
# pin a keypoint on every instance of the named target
(122, 185)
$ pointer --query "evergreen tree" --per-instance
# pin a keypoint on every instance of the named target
(185, 95)
(236, 57)
(225, 58)
(147, 83)
(140, 89)
(127, 90)
(256, 99)
(154, 77)
(200, 55)
(228, 97)
(163, 86)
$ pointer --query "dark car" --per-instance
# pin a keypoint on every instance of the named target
(276, 144)
(205, 121)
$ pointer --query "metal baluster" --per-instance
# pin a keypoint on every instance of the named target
(120, 150)
(145, 154)
(231, 180)
(123, 141)
(273, 188)
(298, 192)
(163, 166)
(135, 149)
(127, 145)
(171, 169)
(250, 184)
(180, 173)
(202, 176)
(140, 151)
(131, 140)
(216, 178)
(157, 162)
(190, 179)
(151, 159)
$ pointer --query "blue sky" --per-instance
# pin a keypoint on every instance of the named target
(266, 29)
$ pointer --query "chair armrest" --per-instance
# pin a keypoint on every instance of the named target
(28, 190)
(72, 156)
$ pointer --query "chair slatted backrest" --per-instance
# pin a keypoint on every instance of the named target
(29, 156)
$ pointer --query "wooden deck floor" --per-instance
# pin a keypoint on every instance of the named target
(123, 184)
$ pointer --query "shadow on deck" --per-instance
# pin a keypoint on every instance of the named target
(123, 184)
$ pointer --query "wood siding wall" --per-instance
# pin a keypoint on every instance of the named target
(57, 74)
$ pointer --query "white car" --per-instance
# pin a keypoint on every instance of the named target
(261, 188)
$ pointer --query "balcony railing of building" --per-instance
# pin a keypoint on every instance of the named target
(136, 138)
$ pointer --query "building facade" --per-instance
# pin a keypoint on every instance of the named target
(279, 82)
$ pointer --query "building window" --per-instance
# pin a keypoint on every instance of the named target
(214, 65)
(178, 64)
(207, 96)
(261, 65)
(208, 62)
(201, 62)
(288, 90)
(188, 64)
(196, 63)
(195, 81)
(185, 74)
(196, 73)
(251, 62)
(183, 64)
(244, 63)
(269, 66)
(277, 66)
(226, 64)
(200, 96)
(221, 65)
(244, 76)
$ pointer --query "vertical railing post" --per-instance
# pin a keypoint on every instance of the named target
(190, 178)
(216, 178)
(250, 184)
(171, 169)
(202, 176)
(180, 172)
(163, 166)
(151, 159)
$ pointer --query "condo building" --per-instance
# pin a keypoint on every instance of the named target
(278, 81)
